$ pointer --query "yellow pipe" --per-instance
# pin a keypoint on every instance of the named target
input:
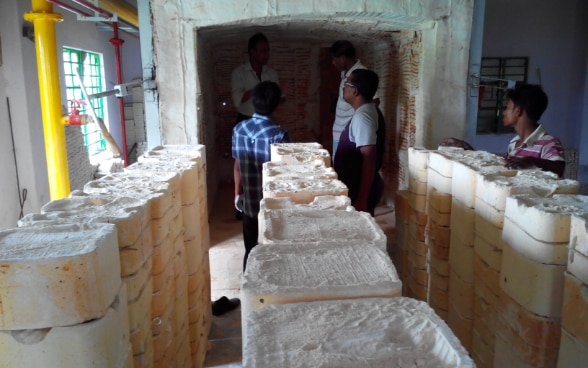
(123, 11)
(44, 19)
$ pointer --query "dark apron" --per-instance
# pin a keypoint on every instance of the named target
(348, 167)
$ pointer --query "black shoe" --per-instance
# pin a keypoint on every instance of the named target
(224, 305)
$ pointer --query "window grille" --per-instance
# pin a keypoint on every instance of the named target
(493, 95)
(89, 65)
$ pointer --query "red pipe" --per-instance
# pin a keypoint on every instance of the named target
(117, 42)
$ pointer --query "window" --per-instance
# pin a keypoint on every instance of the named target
(494, 72)
(91, 72)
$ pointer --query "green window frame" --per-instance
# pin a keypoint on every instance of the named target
(90, 67)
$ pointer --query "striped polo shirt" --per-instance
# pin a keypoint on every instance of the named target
(539, 145)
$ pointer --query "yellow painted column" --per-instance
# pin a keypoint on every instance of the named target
(44, 19)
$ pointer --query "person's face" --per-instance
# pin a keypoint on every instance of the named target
(339, 62)
(260, 54)
(349, 90)
(510, 114)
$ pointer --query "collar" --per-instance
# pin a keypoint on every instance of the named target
(355, 66)
(248, 64)
(534, 137)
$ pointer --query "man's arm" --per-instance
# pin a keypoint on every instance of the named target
(239, 92)
(368, 168)
(516, 162)
(237, 178)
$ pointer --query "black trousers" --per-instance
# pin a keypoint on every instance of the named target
(250, 234)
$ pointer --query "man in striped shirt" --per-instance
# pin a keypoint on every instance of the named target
(252, 139)
(532, 146)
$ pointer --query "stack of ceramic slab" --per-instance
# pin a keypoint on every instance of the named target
(536, 234)
(374, 332)
(196, 255)
(438, 210)
(492, 190)
(191, 263)
(573, 351)
(131, 217)
(63, 302)
(466, 170)
(399, 253)
(415, 274)
(299, 153)
(162, 191)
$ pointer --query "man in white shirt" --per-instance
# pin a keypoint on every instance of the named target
(362, 143)
(344, 59)
(246, 76)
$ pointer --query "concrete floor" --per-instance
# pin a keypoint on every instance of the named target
(226, 270)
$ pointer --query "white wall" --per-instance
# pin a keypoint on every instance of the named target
(19, 83)
(553, 35)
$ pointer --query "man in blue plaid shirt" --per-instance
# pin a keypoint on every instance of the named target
(251, 148)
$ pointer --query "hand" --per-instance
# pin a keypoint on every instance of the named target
(518, 163)
(238, 203)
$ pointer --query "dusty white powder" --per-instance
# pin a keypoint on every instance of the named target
(376, 332)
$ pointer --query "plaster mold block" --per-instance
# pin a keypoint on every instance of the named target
(279, 274)
(188, 175)
(150, 186)
(57, 275)
(466, 171)
(377, 332)
(283, 171)
(575, 307)
(327, 202)
(418, 162)
(442, 160)
(299, 153)
(102, 342)
(495, 188)
(544, 220)
(573, 352)
(128, 214)
(196, 152)
(304, 191)
(490, 215)
(536, 286)
(578, 255)
(315, 226)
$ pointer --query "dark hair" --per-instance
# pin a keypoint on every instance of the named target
(366, 82)
(255, 39)
(530, 98)
(266, 97)
(342, 48)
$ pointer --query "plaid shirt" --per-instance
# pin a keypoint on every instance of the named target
(539, 145)
(252, 139)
